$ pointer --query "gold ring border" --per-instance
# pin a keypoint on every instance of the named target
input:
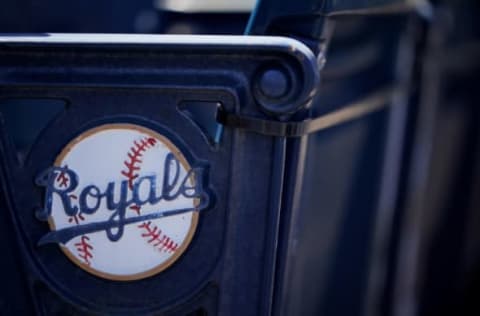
(193, 224)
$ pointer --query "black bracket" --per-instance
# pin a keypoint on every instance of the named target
(371, 103)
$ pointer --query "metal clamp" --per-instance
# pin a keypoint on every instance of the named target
(372, 103)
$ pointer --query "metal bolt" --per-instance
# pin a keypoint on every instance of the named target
(274, 83)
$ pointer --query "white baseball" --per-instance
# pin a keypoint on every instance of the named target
(116, 153)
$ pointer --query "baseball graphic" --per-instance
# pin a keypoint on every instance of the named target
(122, 201)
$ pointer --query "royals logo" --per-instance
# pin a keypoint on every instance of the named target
(122, 201)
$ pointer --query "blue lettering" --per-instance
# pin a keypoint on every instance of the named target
(91, 197)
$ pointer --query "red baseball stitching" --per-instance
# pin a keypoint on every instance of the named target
(84, 249)
(149, 230)
(62, 178)
(135, 208)
(63, 182)
(77, 217)
(134, 155)
(156, 238)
